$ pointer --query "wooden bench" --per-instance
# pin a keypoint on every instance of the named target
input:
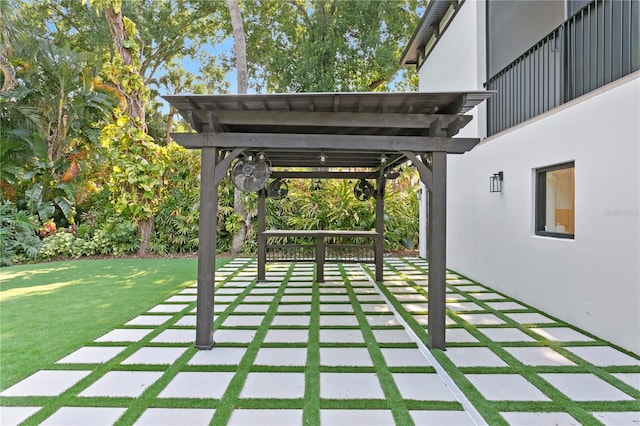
(321, 250)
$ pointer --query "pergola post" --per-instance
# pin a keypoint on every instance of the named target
(379, 240)
(437, 241)
(207, 248)
(262, 240)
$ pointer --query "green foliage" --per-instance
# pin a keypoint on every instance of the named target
(332, 45)
(176, 219)
(18, 235)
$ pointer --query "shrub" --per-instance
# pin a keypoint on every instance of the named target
(18, 235)
(64, 244)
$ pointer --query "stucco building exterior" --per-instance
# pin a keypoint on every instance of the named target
(561, 141)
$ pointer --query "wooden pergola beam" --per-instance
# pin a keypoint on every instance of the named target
(325, 141)
(327, 119)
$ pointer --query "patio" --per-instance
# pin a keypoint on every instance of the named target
(290, 350)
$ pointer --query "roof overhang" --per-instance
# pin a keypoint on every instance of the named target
(433, 24)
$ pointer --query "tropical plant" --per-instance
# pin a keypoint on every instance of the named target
(18, 234)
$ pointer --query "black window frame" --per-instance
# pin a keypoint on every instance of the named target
(541, 200)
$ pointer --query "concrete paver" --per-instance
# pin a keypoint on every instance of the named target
(265, 351)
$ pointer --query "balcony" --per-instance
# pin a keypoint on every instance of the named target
(597, 45)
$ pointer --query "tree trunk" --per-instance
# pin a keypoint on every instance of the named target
(118, 33)
(135, 109)
(239, 45)
(145, 230)
(172, 113)
(240, 48)
(9, 73)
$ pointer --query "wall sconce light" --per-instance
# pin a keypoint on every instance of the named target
(322, 158)
(383, 159)
(495, 182)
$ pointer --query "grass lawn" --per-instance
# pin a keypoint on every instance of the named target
(49, 310)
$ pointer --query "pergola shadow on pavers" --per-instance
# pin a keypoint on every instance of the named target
(327, 135)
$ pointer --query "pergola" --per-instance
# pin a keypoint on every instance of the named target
(358, 136)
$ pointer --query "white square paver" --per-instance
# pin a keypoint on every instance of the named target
(125, 335)
(506, 335)
(412, 297)
(404, 357)
(282, 356)
(459, 335)
(506, 306)
(122, 383)
(175, 336)
(167, 308)
(392, 336)
(345, 357)
(464, 306)
(506, 387)
(286, 336)
(422, 387)
(487, 296)
(350, 386)
(530, 318)
(300, 298)
(343, 320)
(175, 416)
(181, 299)
(233, 335)
(441, 418)
(243, 320)
(632, 379)
(295, 320)
(16, 415)
(336, 307)
(275, 417)
(186, 321)
(562, 334)
(374, 307)
(481, 319)
(218, 356)
(257, 298)
(155, 356)
(257, 307)
(298, 307)
(631, 418)
(92, 355)
(585, 387)
(84, 416)
(538, 356)
(46, 383)
(539, 419)
(603, 356)
(341, 336)
(356, 417)
(273, 385)
(474, 357)
(200, 384)
(415, 307)
(379, 320)
(149, 320)
(330, 298)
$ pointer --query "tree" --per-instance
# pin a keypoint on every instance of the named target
(240, 50)
(327, 45)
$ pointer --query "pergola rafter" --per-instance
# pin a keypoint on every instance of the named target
(358, 136)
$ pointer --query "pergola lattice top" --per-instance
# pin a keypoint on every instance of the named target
(352, 129)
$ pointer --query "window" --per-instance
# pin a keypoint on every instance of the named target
(555, 201)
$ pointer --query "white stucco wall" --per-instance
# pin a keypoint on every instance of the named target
(593, 281)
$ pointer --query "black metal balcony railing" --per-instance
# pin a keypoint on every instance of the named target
(597, 45)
